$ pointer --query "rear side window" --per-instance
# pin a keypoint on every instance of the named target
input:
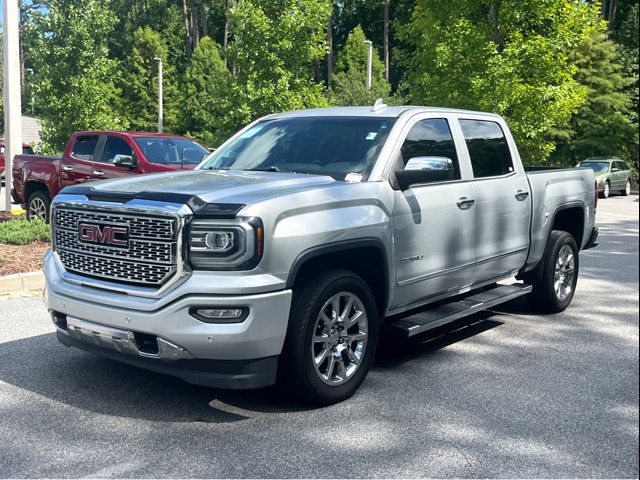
(84, 147)
(429, 145)
(115, 146)
(488, 148)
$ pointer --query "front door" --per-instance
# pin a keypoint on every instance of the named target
(503, 201)
(433, 222)
(113, 147)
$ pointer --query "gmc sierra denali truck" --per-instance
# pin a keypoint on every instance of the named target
(304, 237)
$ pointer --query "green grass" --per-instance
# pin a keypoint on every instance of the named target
(22, 232)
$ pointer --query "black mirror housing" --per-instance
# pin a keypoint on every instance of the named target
(407, 178)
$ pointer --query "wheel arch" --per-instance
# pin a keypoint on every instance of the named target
(33, 186)
(366, 257)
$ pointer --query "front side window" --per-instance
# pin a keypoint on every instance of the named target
(488, 148)
(27, 150)
(115, 146)
(171, 151)
(84, 147)
(334, 146)
(429, 146)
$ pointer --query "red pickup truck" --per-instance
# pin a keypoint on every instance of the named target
(91, 156)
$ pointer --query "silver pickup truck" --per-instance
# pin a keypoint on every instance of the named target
(306, 237)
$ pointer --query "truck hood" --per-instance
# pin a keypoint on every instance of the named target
(215, 186)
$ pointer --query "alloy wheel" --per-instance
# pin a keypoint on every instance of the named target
(38, 209)
(564, 273)
(339, 338)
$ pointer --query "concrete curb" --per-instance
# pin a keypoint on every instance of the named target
(20, 285)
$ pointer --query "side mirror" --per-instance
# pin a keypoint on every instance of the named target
(125, 161)
(420, 170)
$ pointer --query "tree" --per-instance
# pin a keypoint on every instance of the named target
(207, 113)
(505, 56)
(140, 83)
(602, 126)
(275, 47)
(73, 73)
(349, 85)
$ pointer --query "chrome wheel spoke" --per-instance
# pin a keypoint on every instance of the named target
(334, 359)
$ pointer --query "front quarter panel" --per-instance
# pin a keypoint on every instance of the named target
(336, 214)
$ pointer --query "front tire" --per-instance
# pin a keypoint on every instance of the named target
(331, 338)
(39, 206)
(606, 190)
(554, 292)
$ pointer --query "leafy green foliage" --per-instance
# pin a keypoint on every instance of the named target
(602, 125)
(207, 114)
(508, 57)
(349, 85)
(22, 232)
(140, 83)
(69, 54)
(275, 45)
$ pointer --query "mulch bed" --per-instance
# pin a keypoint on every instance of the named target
(21, 258)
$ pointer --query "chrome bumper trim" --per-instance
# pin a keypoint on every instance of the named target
(122, 341)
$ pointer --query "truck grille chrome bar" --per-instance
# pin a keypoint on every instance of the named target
(140, 250)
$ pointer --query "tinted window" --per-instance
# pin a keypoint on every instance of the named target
(334, 146)
(430, 144)
(115, 146)
(171, 151)
(84, 147)
(488, 148)
(27, 150)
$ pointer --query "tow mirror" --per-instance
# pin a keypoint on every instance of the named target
(125, 161)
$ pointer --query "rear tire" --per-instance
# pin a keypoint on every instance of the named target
(554, 292)
(627, 188)
(39, 206)
(325, 360)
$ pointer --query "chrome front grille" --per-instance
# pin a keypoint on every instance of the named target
(150, 258)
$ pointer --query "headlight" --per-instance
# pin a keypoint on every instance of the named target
(225, 244)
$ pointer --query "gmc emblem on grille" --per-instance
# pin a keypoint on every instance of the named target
(110, 235)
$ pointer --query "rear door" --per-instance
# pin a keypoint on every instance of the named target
(114, 146)
(620, 175)
(433, 222)
(77, 166)
(503, 199)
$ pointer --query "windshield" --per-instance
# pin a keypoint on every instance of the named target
(171, 151)
(596, 166)
(335, 146)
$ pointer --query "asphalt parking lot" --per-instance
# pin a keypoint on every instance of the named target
(504, 394)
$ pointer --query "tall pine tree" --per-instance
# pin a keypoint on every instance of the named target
(208, 110)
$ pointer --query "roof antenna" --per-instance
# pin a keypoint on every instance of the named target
(379, 105)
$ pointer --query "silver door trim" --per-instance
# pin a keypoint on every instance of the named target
(439, 273)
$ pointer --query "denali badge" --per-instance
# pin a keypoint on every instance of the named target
(111, 235)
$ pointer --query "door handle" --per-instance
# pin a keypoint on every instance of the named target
(465, 203)
(521, 196)
(98, 173)
(67, 168)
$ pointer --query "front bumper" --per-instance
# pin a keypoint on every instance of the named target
(225, 355)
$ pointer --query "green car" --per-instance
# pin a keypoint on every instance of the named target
(612, 174)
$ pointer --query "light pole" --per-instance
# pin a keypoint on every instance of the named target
(160, 114)
(12, 101)
(369, 63)
(33, 96)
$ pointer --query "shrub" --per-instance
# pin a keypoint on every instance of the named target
(21, 232)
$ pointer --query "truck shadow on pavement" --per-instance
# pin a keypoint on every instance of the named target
(77, 379)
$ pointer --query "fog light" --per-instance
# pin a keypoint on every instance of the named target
(220, 315)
